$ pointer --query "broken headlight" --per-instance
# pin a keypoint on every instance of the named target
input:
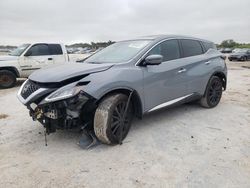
(65, 92)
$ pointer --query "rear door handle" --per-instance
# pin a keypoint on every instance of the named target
(50, 58)
(207, 63)
(182, 70)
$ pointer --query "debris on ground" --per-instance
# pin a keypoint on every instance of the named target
(3, 116)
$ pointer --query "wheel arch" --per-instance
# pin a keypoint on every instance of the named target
(136, 100)
(12, 69)
(223, 78)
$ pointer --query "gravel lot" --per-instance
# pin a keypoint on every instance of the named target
(185, 146)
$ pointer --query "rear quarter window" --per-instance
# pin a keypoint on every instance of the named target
(191, 47)
(209, 45)
(55, 49)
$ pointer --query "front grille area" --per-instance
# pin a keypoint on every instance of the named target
(29, 88)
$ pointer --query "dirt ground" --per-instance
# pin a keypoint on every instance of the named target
(185, 146)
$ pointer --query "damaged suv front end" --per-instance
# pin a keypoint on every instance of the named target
(61, 102)
(67, 96)
(57, 108)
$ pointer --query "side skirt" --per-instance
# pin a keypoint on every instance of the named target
(180, 100)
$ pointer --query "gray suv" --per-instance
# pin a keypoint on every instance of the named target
(127, 79)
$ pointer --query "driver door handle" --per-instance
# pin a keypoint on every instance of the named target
(50, 58)
(182, 70)
(207, 63)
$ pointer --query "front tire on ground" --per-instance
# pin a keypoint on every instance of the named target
(110, 124)
(213, 93)
(7, 79)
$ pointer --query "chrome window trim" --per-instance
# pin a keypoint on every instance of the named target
(163, 40)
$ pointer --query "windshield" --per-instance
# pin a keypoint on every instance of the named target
(118, 52)
(19, 50)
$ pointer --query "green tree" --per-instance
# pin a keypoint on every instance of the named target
(230, 43)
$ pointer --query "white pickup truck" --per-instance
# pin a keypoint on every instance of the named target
(27, 58)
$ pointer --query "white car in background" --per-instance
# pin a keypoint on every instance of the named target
(27, 58)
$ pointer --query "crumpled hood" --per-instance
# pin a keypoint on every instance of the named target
(66, 71)
(8, 58)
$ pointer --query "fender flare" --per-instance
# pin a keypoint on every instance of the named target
(136, 99)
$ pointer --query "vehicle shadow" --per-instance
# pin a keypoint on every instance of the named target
(164, 114)
(155, 120)
(20, 82)
(13, 89)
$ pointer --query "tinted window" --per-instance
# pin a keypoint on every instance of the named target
(191, 47)
(209, 45)
(55, 49)
(168, 49)
(39, 49)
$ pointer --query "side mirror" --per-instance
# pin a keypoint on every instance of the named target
(28, 53)
(153, 60)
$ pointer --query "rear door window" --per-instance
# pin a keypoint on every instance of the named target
(55, 49)
(191, 47)
(169, 49)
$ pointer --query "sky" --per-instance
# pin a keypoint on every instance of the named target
(72, 21)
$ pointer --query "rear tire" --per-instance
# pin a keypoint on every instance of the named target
(7, 79)
(107, 121)
(213, 93)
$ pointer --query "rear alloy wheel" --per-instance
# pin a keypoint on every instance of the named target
(213, 93)
(7, 79)
(111, 123)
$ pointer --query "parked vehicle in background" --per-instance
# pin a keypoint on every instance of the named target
(27, 58)
(240, 55)
(226, 50)
(236, 50)
(126, 79)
